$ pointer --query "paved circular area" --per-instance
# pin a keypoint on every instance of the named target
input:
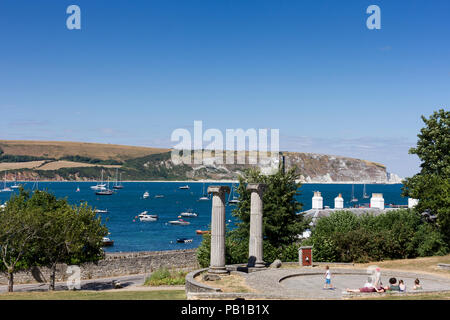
(307, 283)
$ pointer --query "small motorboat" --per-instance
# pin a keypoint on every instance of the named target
(78, 189)
(184, 187)
(159, 196)
(145, 217)
(179, 222)
(184, 240)
(107, 242)
(101, 211)
(145, 195)
(202, 231)
(188, 214)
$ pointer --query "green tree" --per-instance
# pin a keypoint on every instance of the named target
(431, 186)
(68, 234)
(18, 230)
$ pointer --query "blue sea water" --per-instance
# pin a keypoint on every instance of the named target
(129, 234)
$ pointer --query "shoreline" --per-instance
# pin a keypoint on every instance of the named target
(208, 181)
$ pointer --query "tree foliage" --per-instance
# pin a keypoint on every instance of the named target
(41, 230)
(346, 237)
(431, 186)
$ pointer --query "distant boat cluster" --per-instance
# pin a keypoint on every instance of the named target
(103, 189)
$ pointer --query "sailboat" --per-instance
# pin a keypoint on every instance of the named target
(35, 185)
(5, 188)
(99, 186)
(232, 199)
(353, 194)
(365, 195)
(117, 185)
(15, 185)
(204, 196)
(105, 192)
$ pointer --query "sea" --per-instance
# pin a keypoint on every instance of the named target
(130, 234)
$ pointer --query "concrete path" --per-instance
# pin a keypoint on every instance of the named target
(133, 281)
(307, 283)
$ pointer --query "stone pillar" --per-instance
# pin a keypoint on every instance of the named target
(217, 260)
(255, 247)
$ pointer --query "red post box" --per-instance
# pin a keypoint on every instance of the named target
(305, 256)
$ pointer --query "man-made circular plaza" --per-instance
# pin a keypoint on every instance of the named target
(308, 283)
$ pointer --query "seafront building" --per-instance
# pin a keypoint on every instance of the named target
(376, 207)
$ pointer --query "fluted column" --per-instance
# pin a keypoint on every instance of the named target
(255, 247)
(217, 261)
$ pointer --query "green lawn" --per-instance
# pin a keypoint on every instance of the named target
(90, 295)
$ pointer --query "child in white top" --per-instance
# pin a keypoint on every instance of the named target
(328, 279)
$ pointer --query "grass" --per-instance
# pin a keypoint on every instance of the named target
(97, 295)
(58, 149)
(419, 265)
(163, 276)
(227, 283)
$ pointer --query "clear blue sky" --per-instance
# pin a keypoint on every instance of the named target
(137, 70)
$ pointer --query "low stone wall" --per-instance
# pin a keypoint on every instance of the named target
(114, 264)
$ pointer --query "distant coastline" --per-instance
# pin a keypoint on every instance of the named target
(208, 181)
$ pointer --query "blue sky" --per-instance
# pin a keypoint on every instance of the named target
(137, 70)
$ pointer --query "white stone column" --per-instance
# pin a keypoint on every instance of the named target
(255, 247)
(217, 258)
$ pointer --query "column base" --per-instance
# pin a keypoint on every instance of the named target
(260, 264)
(218, 270)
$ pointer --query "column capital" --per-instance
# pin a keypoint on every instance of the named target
(218, 189)
(258, 187)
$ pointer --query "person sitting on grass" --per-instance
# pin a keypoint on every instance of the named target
(417, 285)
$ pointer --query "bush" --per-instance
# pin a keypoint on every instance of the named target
(399, 234)
(163, 276)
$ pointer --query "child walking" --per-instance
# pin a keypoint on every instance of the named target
(328, 279)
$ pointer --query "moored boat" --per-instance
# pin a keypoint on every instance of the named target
(107, 242)
(179, 222)
(184, 240)
(189, 214)
(202, 231)
(145, 217)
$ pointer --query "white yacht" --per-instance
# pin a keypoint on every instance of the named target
(232, 199)
(204, 197)
(145, 217)
(145, 195)
(15, 185)
(179, 222)
(188, 214)
(99, 186)
(5, 188)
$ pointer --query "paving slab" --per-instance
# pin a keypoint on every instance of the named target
(308, 283)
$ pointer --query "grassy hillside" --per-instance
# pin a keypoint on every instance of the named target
(51, 160)
(39, 150)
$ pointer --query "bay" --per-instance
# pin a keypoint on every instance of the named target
(129, 234)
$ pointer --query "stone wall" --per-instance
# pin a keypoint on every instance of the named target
(114, 264)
